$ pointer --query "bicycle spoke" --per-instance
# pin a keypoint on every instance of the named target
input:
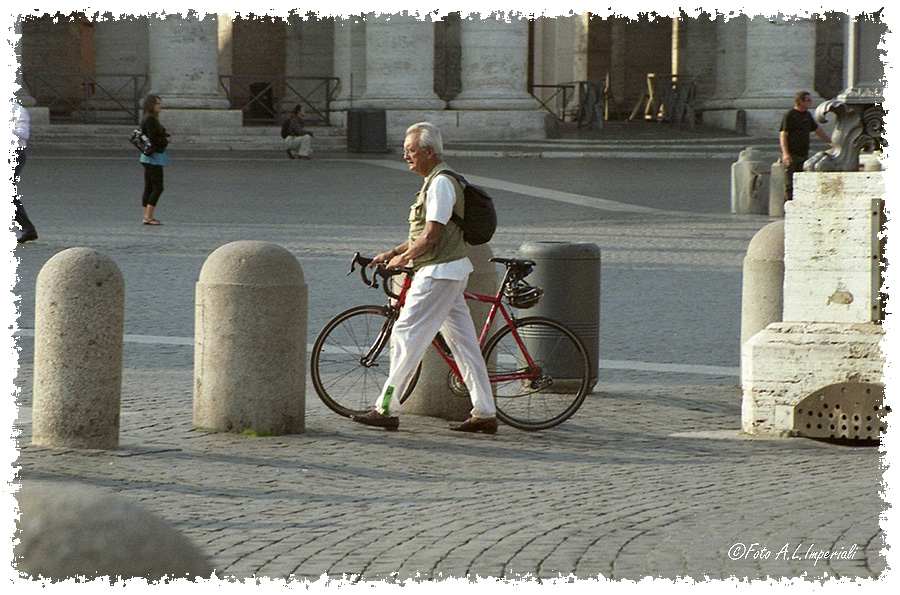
(340, 379)
(548, 394)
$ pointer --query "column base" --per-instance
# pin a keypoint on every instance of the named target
(39, 116)
(472, 125)
(524, 102)
(399, 103)
(195, 121)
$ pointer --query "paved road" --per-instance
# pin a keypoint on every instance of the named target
(650, 478)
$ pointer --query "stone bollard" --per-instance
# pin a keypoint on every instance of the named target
(67, 531)
(78, 335)
(250, 341)
(748, 179)
(776, 190)
(762, 297)
(432, 394)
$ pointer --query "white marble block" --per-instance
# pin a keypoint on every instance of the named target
(831, 247)
(831, 332)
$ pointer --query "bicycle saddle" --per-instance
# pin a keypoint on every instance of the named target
(514, 262)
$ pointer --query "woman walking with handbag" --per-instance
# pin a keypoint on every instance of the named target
(154, 163)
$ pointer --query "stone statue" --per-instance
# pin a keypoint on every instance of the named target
(859, 127)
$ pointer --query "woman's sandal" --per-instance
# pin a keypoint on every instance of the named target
(152, 222)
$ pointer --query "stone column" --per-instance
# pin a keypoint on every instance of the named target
(494, 65)
(863, 67)
(762, 65)
(184, 71)
(555, 43)
(349, 60)
(399, 64)
(40, 116)
(120, 48)
(309, 52)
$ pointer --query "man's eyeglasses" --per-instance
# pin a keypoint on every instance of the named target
(408, 152)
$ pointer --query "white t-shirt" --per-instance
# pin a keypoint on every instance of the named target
(439, 201)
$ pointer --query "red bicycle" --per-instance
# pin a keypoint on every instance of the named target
(539, 369)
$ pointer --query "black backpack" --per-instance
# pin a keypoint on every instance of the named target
(480, 220)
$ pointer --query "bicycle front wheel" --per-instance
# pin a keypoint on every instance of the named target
(543, 396)
(351, 360)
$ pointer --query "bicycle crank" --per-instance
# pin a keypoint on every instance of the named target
(457, 385)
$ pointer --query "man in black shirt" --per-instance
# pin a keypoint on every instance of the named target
(796, 125)
(297, 140)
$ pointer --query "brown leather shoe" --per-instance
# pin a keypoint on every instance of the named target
(375, 419)
(477, 424)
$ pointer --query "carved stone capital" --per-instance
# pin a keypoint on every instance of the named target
(859, 127)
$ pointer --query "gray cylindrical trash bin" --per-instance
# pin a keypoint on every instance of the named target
(569, 274)
(366, 130)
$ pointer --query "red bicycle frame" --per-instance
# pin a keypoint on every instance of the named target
(496, 303)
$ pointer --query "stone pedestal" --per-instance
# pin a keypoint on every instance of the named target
(831, 332)
(831, 247)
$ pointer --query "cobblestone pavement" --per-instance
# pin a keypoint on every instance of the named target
(651, 478)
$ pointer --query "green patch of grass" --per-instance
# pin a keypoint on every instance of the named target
(258, 433)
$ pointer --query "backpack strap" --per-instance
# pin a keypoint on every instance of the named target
(455, 218)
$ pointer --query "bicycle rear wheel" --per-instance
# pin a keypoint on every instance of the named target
(530, 399)
(342, 378)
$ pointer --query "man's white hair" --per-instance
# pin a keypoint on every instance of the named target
(429, 136)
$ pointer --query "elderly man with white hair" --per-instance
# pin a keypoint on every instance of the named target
(436, 250)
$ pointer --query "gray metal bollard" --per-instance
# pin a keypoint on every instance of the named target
(250, 343)
(762, 296)
(79, 325)
(569, 274)
(432, 394)
(70, 531)
(749, 184)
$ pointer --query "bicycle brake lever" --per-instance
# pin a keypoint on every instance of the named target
(363, 263)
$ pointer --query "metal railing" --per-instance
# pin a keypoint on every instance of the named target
(261, 98)
(670, 99)
(560, 98)
(89, 97)
(581, 101)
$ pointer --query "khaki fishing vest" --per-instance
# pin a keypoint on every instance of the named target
(451, 245)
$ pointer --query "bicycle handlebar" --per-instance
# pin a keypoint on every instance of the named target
(379, 271)
(516, 270)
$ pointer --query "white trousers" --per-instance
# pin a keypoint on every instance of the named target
(299, 145)
(434, 305)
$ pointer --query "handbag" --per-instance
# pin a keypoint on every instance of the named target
(140, 140)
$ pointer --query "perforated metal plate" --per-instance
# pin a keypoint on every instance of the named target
(849, 410)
